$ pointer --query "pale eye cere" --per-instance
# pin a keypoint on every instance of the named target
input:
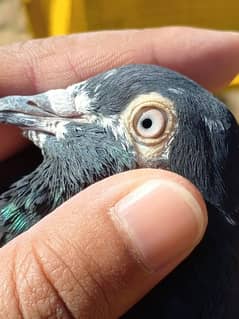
(150, 123)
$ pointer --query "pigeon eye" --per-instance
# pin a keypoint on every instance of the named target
(150, 123)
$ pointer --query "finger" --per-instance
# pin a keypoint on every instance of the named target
(101, 251)
(209, 57)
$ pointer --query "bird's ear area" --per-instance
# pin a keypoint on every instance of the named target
(223, 149)
(206, 152)
(231, 175)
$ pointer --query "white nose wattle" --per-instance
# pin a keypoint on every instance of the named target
(62, 103)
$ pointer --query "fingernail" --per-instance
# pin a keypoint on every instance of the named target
(162, 221)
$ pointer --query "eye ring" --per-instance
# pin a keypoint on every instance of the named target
(141, 104)
(150, 122)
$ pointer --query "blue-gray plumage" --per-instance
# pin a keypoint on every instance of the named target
(131, 117)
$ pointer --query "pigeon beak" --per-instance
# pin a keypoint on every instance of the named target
(24, 112)
(39, 112)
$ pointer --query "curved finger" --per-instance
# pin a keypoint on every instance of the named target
(101, 251)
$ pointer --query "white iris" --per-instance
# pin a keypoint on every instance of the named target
(151, 123)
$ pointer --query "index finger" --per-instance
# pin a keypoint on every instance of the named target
(209, 57)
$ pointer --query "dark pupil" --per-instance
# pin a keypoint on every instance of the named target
(147, 123)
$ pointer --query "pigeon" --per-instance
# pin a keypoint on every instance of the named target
(131, 117)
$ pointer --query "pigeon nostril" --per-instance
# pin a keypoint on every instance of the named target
(31, 103)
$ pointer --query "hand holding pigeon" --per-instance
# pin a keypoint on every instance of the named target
(84, 244)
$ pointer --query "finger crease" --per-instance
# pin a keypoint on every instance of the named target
(16, 294)
(47, 278)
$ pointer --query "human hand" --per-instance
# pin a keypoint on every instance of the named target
(82, 260)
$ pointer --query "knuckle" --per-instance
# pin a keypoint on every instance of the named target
(9, 299)
(33, 294)
(74, 277)
(41, 281)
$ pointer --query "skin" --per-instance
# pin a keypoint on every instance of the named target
(81, 262)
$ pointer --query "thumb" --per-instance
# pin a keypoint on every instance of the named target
(102, 250)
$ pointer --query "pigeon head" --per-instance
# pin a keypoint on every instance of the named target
(131, 117)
